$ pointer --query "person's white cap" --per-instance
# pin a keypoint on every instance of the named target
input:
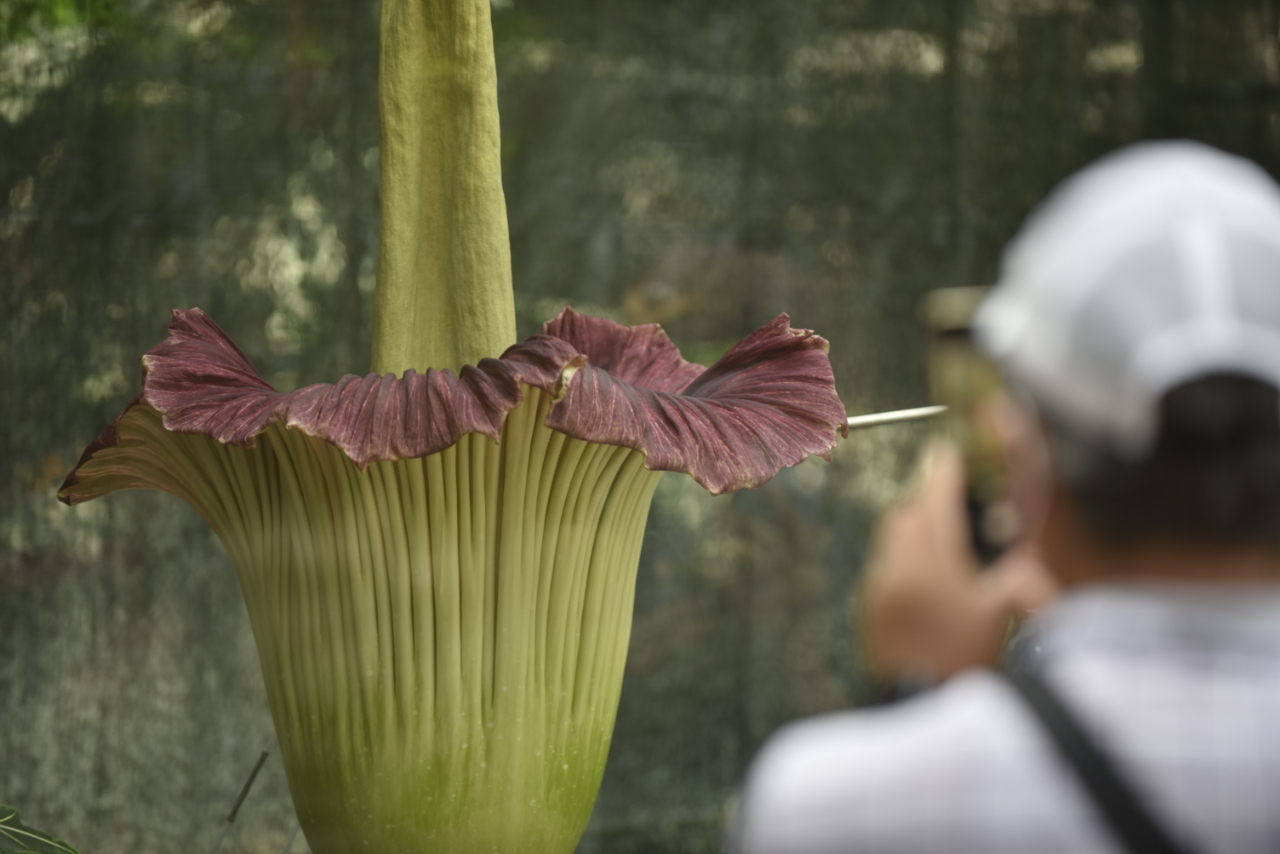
(1153, 266)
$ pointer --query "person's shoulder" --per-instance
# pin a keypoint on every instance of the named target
(845, 750)
(949, 770)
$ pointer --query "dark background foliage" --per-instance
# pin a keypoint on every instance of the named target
(701, 164)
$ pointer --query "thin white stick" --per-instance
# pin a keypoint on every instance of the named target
(895, 417)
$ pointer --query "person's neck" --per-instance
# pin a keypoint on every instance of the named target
(1077, 557)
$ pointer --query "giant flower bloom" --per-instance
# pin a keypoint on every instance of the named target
(439, 569)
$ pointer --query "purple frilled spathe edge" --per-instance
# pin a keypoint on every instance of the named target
(767, 404)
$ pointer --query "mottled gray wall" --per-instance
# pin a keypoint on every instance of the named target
(701, 164)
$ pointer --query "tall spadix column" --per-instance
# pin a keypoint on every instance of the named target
(443, 297)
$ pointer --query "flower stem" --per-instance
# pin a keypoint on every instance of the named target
(444, 296)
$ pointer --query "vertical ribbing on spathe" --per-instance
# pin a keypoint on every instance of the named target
(442, 638)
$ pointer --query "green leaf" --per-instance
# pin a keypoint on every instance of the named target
(17, 838)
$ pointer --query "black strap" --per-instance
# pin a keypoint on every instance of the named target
(1131, 821)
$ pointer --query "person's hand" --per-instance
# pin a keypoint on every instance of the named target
(927, 609)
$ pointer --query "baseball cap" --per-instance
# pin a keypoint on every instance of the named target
(1155, 265)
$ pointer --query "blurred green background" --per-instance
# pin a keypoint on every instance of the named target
(705, 164)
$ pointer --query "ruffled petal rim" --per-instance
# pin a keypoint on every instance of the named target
(767, 404)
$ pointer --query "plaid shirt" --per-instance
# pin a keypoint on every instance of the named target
(1179, 684)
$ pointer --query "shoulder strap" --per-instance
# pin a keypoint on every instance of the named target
(1128, 817)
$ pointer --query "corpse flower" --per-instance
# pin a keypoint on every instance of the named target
(439, 566)
(439, 569)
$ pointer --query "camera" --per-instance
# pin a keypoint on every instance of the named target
(969, 384)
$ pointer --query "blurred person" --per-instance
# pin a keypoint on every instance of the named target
(1137, 323)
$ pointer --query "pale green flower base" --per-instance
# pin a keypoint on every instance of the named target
(443, 638)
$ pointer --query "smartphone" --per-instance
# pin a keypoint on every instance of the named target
(965, 381)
